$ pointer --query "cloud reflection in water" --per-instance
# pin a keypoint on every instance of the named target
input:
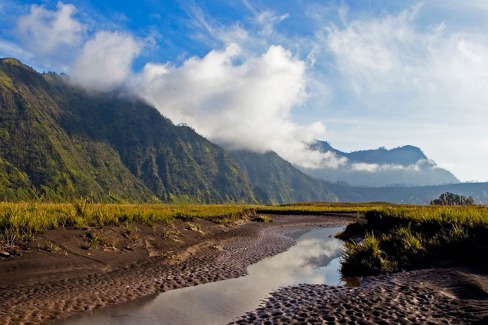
(314, 259)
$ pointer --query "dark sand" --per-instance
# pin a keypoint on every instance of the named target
(43, 286)
(432, 296)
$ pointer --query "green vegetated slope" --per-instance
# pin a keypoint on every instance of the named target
(60, 142)
(277, 181)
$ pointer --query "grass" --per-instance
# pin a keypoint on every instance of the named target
(410, 237)
(466, 215)
(19, 222)
(322, 208)
(262, 218)
(385, 237)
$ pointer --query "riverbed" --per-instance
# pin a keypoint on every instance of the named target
(313, 260)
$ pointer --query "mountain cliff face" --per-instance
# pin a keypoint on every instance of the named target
(405, 165)
(277, 181)
(59, 142)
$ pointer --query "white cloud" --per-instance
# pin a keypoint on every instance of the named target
(240, 106)
(365, 167)
(105, 61)
(392, 62)
(373, 168)
(268, 20)
(50, 33)
(59, 40)
(402, 72)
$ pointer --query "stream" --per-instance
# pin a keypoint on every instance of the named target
(313, 260)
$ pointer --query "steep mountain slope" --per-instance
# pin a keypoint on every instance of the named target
(37, 158)
(173, 161)
(60, 142)
(277, 181)
(405, 165)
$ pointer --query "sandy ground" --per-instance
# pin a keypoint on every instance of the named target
(432, 296)
(42, 286)
(46, 285)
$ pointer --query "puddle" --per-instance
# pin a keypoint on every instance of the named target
(313, 260)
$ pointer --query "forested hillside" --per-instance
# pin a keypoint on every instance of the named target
(60, 142)
(277, 181)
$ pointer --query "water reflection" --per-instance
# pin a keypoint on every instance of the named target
(312, 260)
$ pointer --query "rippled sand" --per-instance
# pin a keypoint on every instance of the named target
(432, 296)
(221, 254)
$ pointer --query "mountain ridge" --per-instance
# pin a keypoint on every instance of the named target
(406, 165)
(59, 142)
(277, 181)
(63, 142)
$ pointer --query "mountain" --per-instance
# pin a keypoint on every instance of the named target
(277, 181)
(59, 142)
(406, 165)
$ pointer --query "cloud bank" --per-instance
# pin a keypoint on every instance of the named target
(238, 104)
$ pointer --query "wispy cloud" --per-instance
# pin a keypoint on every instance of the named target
(389, 62)
(50, 34)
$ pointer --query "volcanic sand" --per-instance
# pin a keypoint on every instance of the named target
(43, 286)
(431, 296)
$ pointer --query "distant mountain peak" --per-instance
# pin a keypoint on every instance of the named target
(402, 155)
(380, 167)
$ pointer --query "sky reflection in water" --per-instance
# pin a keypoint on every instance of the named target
(314, 259)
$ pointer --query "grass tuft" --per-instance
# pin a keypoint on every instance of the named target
(411, 237)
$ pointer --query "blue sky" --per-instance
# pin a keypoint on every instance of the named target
(274, 75)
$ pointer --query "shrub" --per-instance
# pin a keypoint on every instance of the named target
(452, 199)
(365, 258)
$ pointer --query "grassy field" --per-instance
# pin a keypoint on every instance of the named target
(396, 238)
(322, 207)
(19, 222)
(385, 237)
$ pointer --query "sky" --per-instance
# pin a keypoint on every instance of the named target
(276, 75)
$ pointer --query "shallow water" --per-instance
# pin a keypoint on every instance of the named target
(313, 260)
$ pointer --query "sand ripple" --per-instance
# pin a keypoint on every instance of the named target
(225, 256)
(418, 297)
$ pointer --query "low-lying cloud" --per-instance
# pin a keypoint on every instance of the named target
(374, 168)
(105, 61)
(240, 103)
